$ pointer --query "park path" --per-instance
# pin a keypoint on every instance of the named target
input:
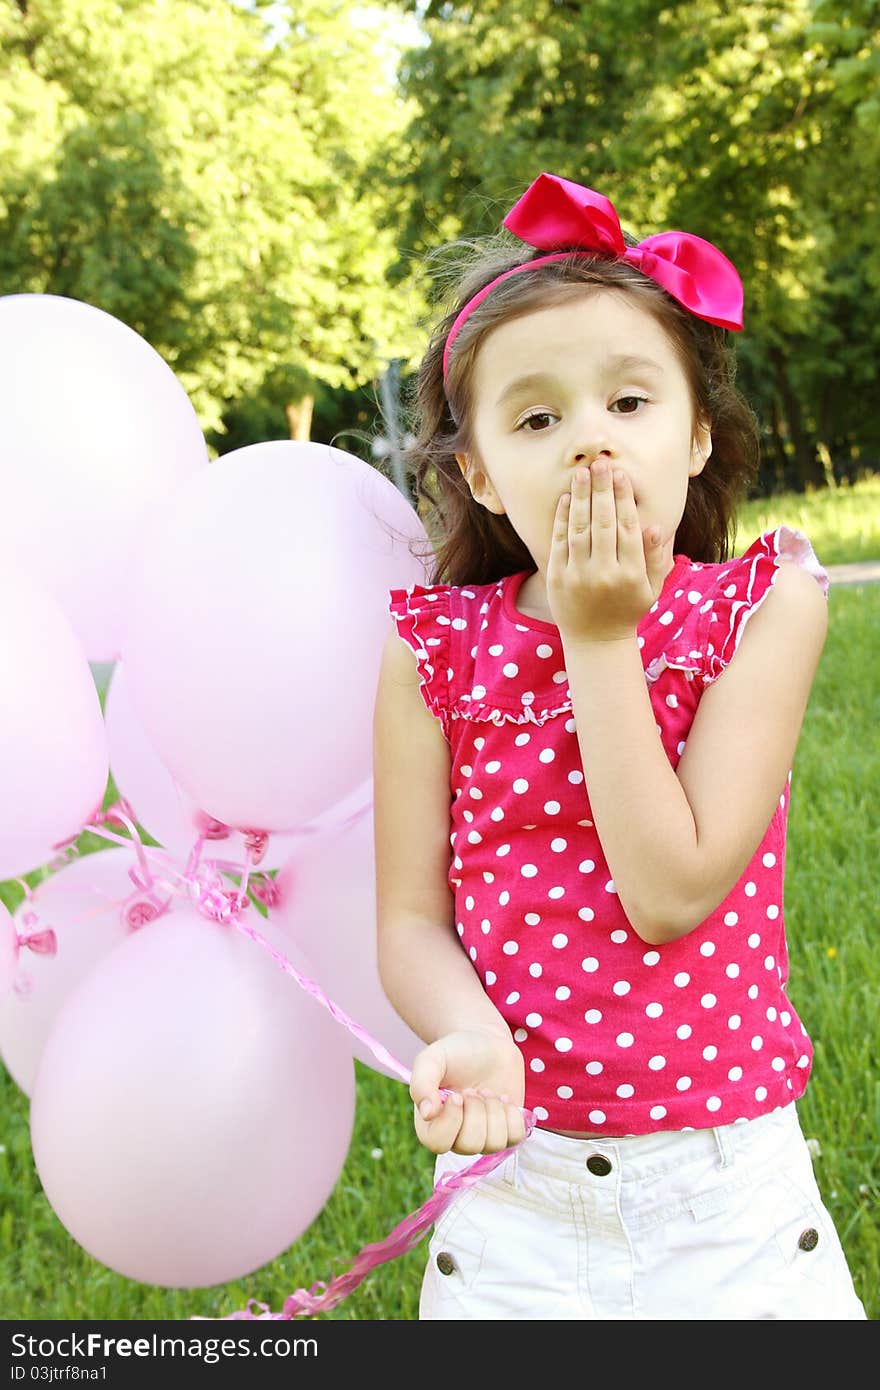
(862, 572)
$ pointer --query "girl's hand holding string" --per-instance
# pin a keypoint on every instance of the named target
(603, 573)
(484, 1073)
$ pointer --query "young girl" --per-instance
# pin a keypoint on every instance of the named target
(598, 711)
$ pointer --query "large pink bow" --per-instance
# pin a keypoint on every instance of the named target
(557, 215)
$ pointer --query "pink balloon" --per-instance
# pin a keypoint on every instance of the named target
(328, 907)
(80, 904)
(53, 746)
(194, 1106)
(162, 807)
(96, 432)
(263, 600)
(8, 952)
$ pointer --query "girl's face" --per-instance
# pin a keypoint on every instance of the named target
(560, 386)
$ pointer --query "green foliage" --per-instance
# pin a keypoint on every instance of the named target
(205, 181)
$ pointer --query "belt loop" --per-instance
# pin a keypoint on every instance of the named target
(725, 1148)
(510, 1170)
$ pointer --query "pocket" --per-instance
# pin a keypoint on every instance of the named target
(803, 1230)
(456, 1247)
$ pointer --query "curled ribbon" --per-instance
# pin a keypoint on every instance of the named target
(555, 213)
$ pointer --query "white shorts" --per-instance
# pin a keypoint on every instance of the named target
(720, 1223)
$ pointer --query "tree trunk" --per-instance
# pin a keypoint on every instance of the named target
(806, 461)
(299, 417)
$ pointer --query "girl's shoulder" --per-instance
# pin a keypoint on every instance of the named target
(721, 598)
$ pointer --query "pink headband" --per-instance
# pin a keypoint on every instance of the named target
(555, 212)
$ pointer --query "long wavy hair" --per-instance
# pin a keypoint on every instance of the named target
(472, 545)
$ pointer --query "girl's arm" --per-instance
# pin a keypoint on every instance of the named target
(425, 973)
(677, 840)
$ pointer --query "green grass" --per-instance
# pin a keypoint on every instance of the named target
(831, 917)
(843, 523)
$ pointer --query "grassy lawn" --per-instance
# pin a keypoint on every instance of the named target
(831, 915)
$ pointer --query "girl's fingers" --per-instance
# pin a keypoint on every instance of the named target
(579, 514)
(603, 521)
(630, 544)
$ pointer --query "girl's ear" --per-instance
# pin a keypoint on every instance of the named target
(701, 447)
(480, 485)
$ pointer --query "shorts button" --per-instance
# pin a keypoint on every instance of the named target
(599, 1165)
(809, 1239)
(445, 1262)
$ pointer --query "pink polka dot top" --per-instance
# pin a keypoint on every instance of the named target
(618, 1036)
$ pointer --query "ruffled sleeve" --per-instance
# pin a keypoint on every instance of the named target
(423, 621)
(741, 587)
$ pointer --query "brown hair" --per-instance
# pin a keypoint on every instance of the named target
(472, 545)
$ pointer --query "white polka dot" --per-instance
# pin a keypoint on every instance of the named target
(625, 1091)
(510, 948)
(546, 755)
(650, 957)
(761, 1093)
(769, 962)
(557, 892)
(772, 911)
(785, 1018)
(520, 785)
(657, 1112)
(510, 669)
(681, 979)
(522, 739)
(778, 1064)
(753, 940)
(735, 1074)
(713, 1103)
(593, 1016)
(656, 1063)
(609, 886)
(594, 1068)
(734, 1021)
(559, 940)
(590, 964)
(564, 1092)
(543, 650)
(472, 952)
(707, 948)
(532, 918)
(771, 1014)
(496, 649)
(667, 618)
(520, 1035)
(586, 914)
(558, 845)
(563, 992)
(493, 766)
(693, 596)
(750, 889)
(731, 919)
(575, 777)
(710, 1052)
(485, 926)
(683, 1083)
(503, 898)
(653, 1010)
(757, 1043)
(491, 977)
(563, 1044)
(540, 1112)
(683, 1031)
(596, 1117)
(768, 860)
(622, 987)
(552, 808)
(624, 1040)
(586, 866)
(732, 970)
(513, 997)
(534, 1020)
(708, 1001)
(753, 991)
(536, 970)
(536, 1064)
(618, 937)
(528, 870)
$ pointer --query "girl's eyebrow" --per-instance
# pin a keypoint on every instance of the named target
(621, 361)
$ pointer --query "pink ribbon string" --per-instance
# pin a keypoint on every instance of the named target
(202, 886)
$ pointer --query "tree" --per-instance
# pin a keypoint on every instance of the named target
(199, 175)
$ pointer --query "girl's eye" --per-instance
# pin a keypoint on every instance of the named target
(537, 415)
(629, 404)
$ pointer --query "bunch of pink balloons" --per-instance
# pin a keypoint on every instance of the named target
(191, 1105)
